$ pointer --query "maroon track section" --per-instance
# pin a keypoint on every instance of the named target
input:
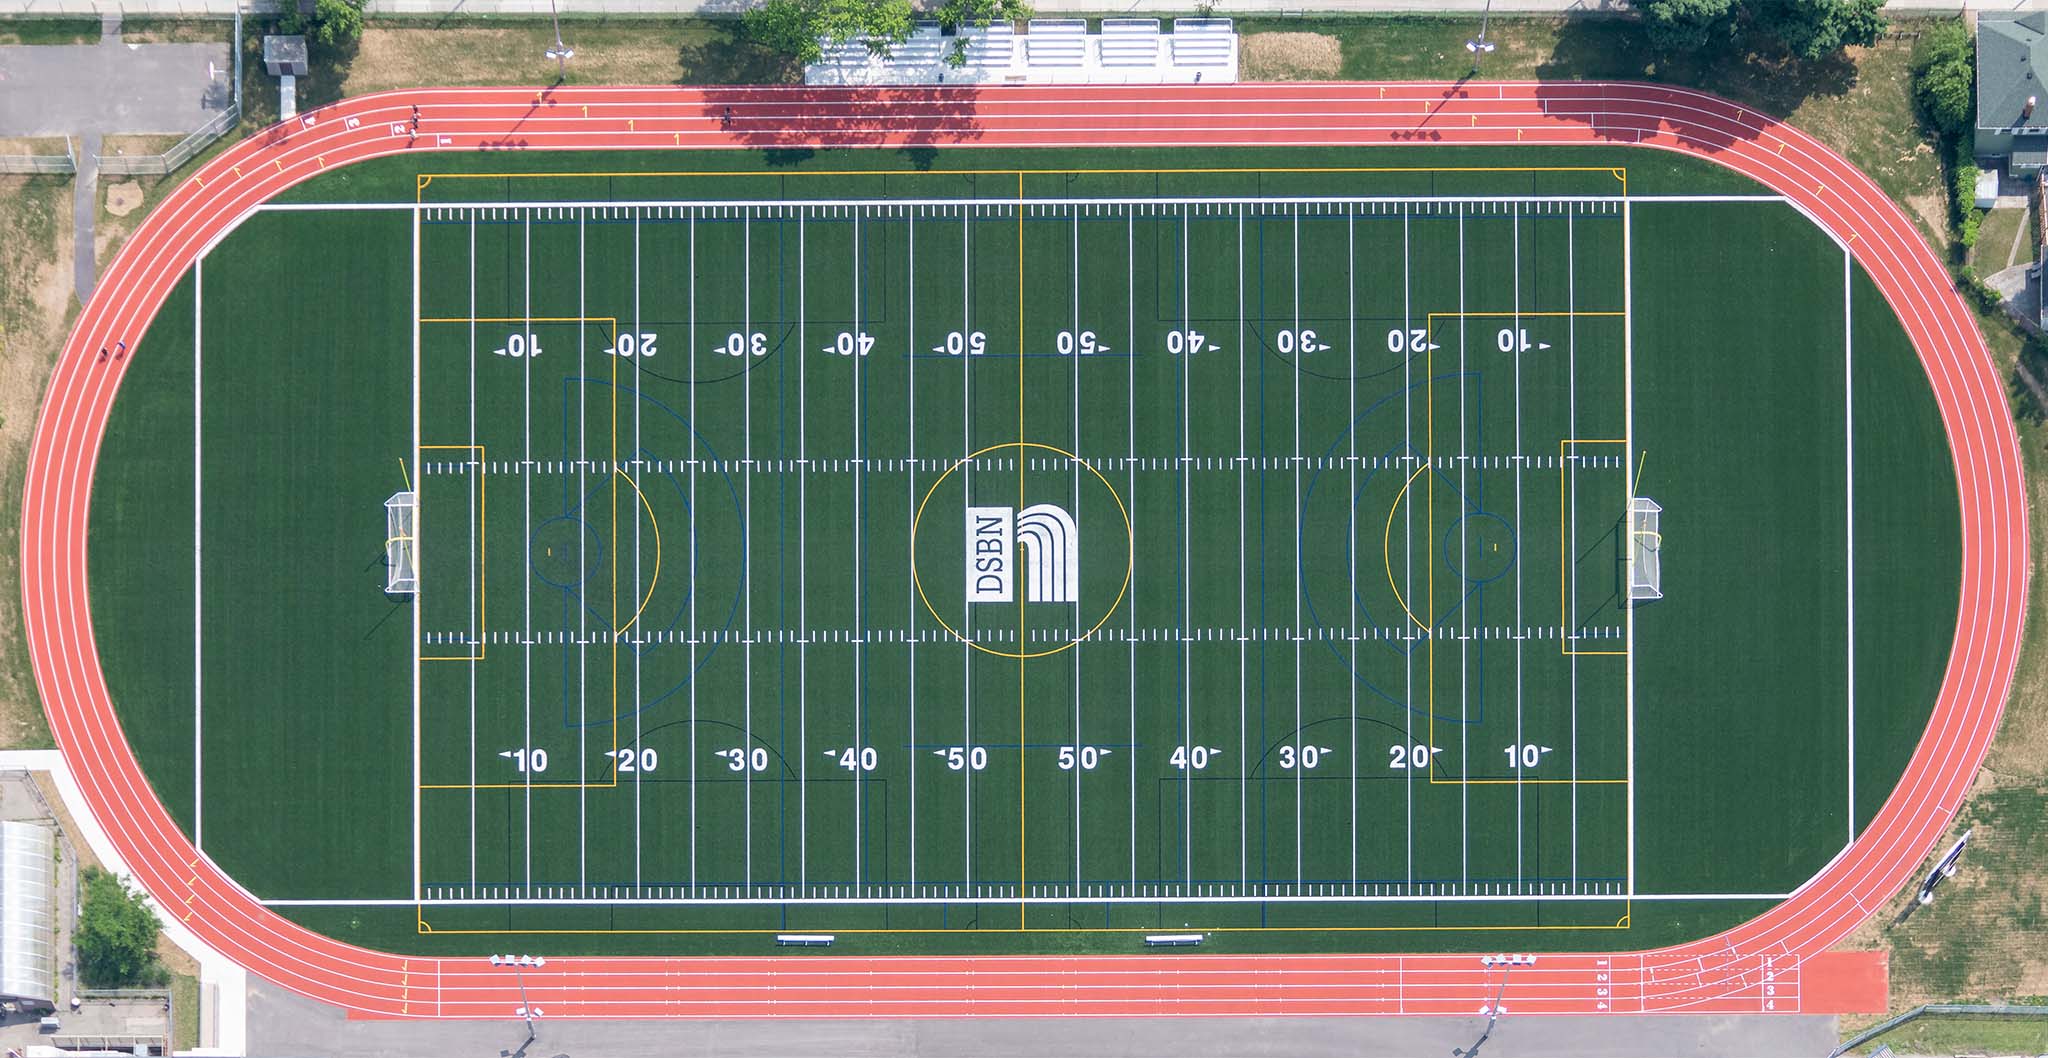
(1765, 964)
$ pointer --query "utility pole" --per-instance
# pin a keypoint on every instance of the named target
(562, 53)
(1480, 45)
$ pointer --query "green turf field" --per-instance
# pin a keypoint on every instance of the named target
(972, 558)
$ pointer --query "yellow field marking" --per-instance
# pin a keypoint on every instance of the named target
(482, 551)
(1429, 504)
(403, 475)
(1129, 554)
(656, 577)
(1387, 545)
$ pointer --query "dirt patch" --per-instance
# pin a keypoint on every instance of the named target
(123, 198)
(64, 821)
(1930, 208)
(1291, 56)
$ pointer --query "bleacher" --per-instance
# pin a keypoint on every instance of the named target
(1050, 51)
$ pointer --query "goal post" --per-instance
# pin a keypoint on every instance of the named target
(401, 560)
(1645, 568)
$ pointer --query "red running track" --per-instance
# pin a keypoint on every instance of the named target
(1775, 962)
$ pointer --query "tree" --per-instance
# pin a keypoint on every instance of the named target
(802, 28)
(1945, 79)
(1815, 29)
(955, 14)
(1687, 25)
(337, 23)
(116, 935)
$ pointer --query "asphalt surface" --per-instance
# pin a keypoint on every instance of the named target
(59, 89)
(284, 1025)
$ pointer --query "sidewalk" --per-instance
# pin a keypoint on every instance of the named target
(226, 8)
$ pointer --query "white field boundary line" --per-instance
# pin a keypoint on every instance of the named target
(1001, 207)
(1849, 490)
(1010, 900)
(418, 616)
(198, 510)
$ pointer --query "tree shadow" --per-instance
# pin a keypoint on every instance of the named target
(1756, 72)
(727, 57)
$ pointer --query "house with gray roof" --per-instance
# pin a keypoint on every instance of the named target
(2012, 100)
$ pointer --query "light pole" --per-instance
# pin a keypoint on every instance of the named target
(526, 1010)
(562, 53)
(1480, 45)
(1492, 1015)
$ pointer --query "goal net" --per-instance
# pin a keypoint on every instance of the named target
(401, 565)
(1645, 568)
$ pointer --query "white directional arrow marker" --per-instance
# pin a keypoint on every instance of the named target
(1542, 345)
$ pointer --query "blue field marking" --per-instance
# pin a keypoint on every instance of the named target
(739, 593)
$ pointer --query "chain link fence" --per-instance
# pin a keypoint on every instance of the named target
(184, 150)
(41, 164)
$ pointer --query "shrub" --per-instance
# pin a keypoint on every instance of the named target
(116, 935)
(1945, 79)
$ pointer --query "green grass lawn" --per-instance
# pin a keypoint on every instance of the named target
(759, 686)
(24, 30)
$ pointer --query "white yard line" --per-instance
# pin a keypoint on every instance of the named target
(910, 326)
(639, 816)
(582, 563)
(1351, 534)
(967, 489)
(1408, 534)
(859, 553)
(1074, 489)
(695, 460)
(1571, 301)
(803, 576)
(747, 531)
(1300, 837)
(1516, 218)
(1849, 488)
(1464, 685)
(476, 470)
(1187, 804)
(526, 485)
(1244, 863)
(1131, 449)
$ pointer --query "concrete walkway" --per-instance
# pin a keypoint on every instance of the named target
(226, 8)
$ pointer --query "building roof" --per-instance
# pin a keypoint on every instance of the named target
(28, 911)
(284, 49)
(2012, 66)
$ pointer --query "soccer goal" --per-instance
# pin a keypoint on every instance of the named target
(401, 567)
(1645, 568)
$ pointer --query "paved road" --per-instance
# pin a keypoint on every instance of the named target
(281, 1023)
(226, 8)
